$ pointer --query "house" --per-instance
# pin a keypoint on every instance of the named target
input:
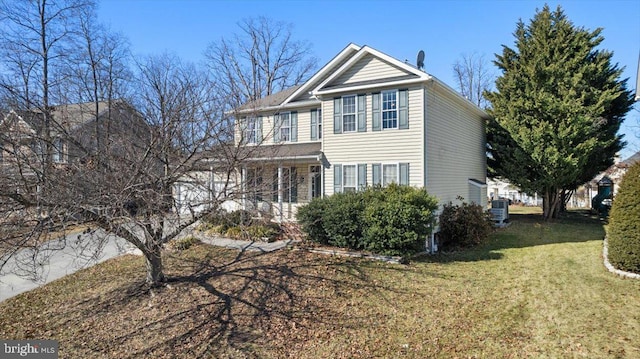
(363, 119)
(78, 136)
(499, 188)
(76, 130)
(585, 194)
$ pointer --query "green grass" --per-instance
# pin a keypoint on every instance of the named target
(536, 290)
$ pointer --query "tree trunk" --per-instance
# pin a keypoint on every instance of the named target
(153, 257)
(550, 204)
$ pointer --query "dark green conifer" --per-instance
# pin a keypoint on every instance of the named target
(557, 108)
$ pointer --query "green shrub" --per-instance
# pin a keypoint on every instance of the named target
(184, 243)
(239, 218)
(624, 223)
(234, 232)
(228, 219)
(310, 218)
(393, 220)
(259, 232)
(398, 219)
(343, 220)
(464, 225)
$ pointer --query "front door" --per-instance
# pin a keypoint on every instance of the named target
(315, 181)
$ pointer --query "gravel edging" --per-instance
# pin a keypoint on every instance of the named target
(611, 268)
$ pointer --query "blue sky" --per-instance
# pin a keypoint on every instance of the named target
(443, 29)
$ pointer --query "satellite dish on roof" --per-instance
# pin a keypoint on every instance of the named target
(420, 62)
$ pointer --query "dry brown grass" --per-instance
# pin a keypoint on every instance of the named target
(536, 290)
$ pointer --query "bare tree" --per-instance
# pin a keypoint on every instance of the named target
(474, 77)
(259, 61)
(176, 134)
(115, 162)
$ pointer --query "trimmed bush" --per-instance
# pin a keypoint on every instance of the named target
(398, 219)
(342, 220)
(310, 216)
(624, 223)
(394, 220)
(464, 225)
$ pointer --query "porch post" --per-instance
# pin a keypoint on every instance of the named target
(243, 186)
(280, 194)
(322, 186)
(212, 188)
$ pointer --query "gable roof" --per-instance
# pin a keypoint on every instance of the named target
(325, 71)
(322, 82)
(411, 73)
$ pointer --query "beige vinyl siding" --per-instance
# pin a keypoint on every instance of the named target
(388, 146)
(368, 68)
(455, 149)
(304, 126)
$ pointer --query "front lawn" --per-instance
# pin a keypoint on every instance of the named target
(536, 290)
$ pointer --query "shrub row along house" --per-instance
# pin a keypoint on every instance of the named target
(363, 119)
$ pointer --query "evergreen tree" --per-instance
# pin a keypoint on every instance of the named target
(557, 108)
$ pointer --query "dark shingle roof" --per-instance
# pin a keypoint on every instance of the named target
(272, 100)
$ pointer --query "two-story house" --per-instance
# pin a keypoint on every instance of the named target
(363, 119)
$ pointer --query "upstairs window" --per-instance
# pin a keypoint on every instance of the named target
(285, 126)
(319, 123)
(349, 113)
(250, 134)
(389, 109)
(316, 124)
(58, 151)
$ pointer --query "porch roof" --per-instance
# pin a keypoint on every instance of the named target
(295, 152)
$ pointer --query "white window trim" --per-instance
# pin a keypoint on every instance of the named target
(382, 166)
(355, 113)
(355, 169)
(250, 135)
(382, 110)
(319, 123)
(281, 127)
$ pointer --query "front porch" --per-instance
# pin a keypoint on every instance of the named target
(277, 179)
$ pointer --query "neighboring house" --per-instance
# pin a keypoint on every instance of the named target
(76, 132)
(585, 194)
(364, 119)
(502, 189)
(73, 130)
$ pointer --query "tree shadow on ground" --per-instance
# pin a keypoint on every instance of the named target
(527, 230)
(217, 304)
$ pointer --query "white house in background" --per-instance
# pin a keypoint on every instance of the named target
(501, 189)
(363, 119)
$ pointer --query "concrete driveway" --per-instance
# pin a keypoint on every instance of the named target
(57, 258)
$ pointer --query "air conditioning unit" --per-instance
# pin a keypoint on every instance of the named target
(500, 210)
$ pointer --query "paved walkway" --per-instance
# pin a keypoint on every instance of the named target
(61, 257)
(243, 245)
